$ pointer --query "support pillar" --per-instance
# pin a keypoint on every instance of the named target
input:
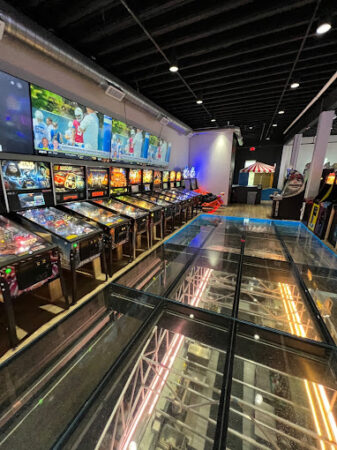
(295, 150)
(321, 144)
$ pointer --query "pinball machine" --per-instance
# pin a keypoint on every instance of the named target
(138, 217)
(115, 228)
(331, 232)
(79, 241)
(154, 211)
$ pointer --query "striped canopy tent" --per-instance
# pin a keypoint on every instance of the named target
(259, 167)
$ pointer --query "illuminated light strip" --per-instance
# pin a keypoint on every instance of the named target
(320, 394)
(170, 355)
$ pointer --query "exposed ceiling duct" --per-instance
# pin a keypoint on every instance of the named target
(27, 31)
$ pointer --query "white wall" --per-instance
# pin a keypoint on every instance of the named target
(307, 148)
(210, 153)
(22, 61)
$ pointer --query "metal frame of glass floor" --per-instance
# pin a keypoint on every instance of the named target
(222, 337)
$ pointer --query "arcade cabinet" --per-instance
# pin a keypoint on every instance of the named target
(79, 241)
(321, 208)
(114, 227)
(287, 204)
(154, 211)
(139, 218)
(331, 232)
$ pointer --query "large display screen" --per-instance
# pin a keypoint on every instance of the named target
(69, 182)
(97, 182)
(178, 176)
(66, 128)
(132, 144)
(157, 178)
(27, 184)
(172, 175)
(147, 176)
(166, 175)
(16, 134)
(135, 176)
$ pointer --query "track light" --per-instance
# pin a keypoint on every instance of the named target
(281, 111)
(199, 101)
(173, 68)
(294, 85)
(323, 27)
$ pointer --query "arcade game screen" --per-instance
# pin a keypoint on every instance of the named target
(192, 172)
(15, 116)
(69, 183)
(98, 182)
(65, 225)
(178, 176)
(147, 176)
(135, 176)
(157, 178)
(186, 173)
(27, 184)
(118, 180)
(166, 175)
(16, 241)
(172, 175)
(65, 128)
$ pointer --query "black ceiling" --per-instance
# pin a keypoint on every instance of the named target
(237, 55)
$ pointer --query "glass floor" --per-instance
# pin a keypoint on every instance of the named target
(222, 337)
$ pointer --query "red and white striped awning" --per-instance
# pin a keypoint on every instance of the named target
(259, 167)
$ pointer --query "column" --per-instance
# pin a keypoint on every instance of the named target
(295, 150)
(285, 163)
(321, 144)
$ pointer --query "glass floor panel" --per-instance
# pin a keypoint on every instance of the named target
(281, 398)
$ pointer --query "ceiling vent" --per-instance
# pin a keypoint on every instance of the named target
(164, 121)
(115, 93)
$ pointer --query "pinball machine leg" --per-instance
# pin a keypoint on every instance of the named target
(73, 281)
(149, 236)
(133, 242)
(162, 234)
(106, 247)
(9, 313)
(63, 283)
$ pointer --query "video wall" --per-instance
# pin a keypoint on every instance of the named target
(36, 120)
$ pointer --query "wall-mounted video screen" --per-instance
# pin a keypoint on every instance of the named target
(16, 134)
(135, 176)
(147, 176)
(132, 144)
(156, 178)
(66, 128)
(27, 184)
(118, 180)
(69, 182)
(166, 176)
(172, 175)
(97, 182)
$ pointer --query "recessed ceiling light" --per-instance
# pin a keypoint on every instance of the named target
(274, 124)
(267, 138)
(173, 68)
(323, 27)
(213, 120)
(281, 111)
(199, 101)
(294, 85)
(250, 128)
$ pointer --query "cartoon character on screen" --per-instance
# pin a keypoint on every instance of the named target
(69, 134)
(12, 176)
(39, 127)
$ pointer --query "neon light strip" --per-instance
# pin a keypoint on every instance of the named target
(319, 391)
(168, 359)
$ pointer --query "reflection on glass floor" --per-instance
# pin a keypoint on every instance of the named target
(280, 399)
(171, 398)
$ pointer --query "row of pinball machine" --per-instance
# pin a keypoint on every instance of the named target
(319, 214)
(64, 216)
